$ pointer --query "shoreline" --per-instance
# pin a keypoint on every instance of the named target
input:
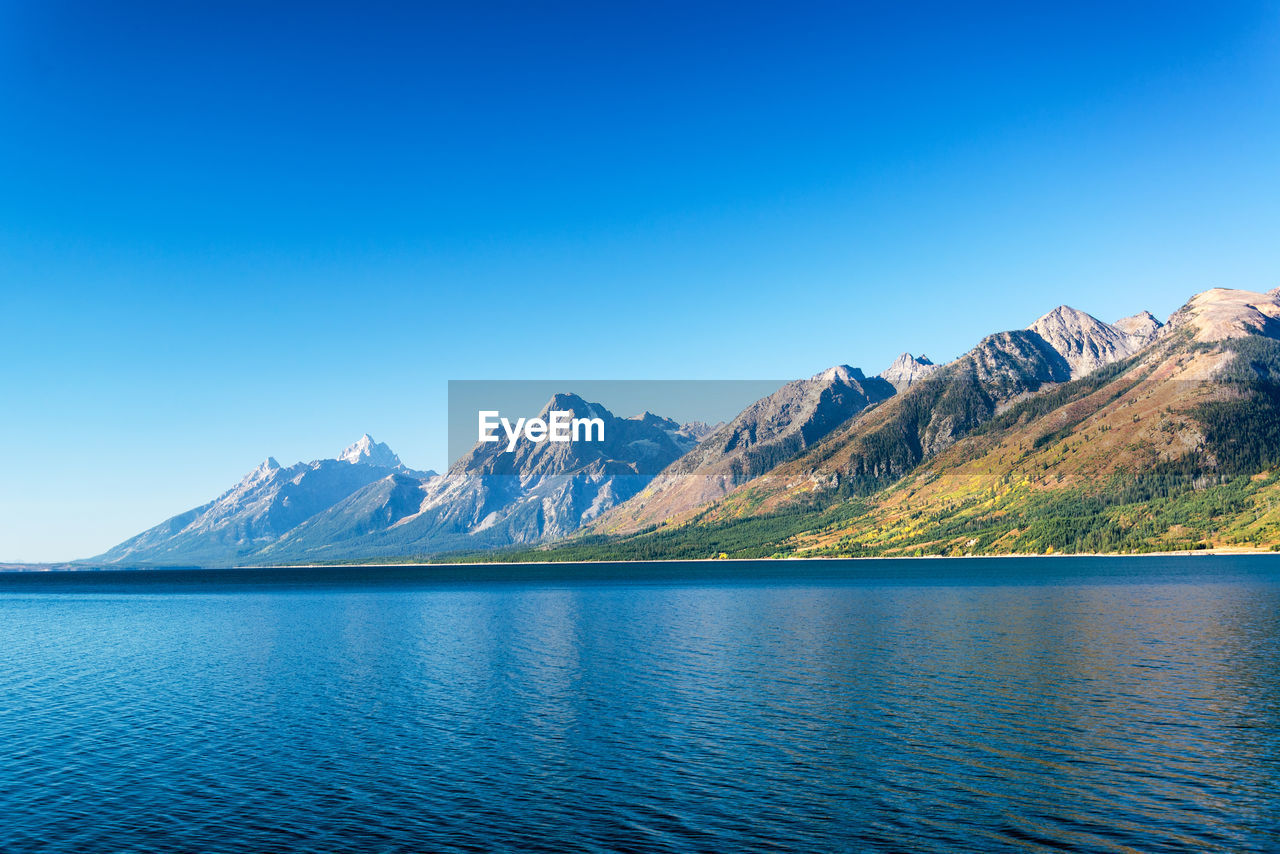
(16, 567)
(813, 559)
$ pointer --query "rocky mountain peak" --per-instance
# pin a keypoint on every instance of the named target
(264, 471)
(564, 401)
(699, 430)
(368, 452)
(907, 369)
(1084, 341)
(650, 419)
(840, 373)
(1068, 317)
(1142, 326)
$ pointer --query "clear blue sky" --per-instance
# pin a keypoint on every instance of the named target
(233, 230)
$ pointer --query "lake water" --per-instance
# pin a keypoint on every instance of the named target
(937, 705)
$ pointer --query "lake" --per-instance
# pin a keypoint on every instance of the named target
(1079, 704)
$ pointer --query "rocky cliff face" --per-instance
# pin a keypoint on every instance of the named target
(797, 415)
(1009, 364)
(907, 369)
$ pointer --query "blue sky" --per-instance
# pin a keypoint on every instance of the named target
(228, 231)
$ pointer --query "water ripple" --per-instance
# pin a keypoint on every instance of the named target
(824, 716)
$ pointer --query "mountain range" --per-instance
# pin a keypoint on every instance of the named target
(366, 503)
(1070, 435)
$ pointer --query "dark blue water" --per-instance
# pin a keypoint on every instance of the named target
(1019, 705)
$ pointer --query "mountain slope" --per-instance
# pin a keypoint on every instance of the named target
(1221, 314)
(1139, 458)
(770, 431)
(888, 441)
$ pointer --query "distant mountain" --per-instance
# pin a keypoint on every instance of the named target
(491, 497)
(643, 444)
(370, 453)
(267, 503)
(768, 432)
(367, 503)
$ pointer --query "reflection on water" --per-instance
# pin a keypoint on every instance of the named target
(1017, 705)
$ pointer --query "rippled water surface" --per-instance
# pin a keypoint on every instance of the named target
(1021, 705)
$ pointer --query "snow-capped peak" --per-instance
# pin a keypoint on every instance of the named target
(370, 453)
(265, 469)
